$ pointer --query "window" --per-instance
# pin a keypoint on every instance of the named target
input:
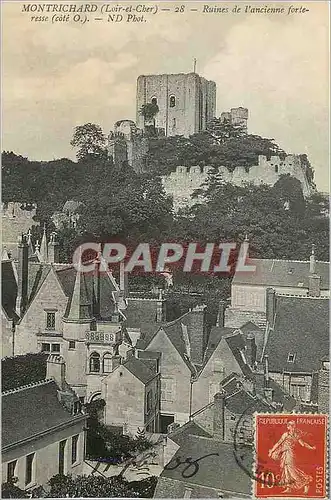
(29, 469)
(95, 362)
(107, 363)
(72, 344)
(74, 449)
(62, 447)
(149, 401)
(174, 123)
(276, 169)
(299, 391)
(55, 347)
(11, 467)
(154, 101)
(50, 320)
(166, 389)
(46, 347)
(290, 357)
(218, 366)
(172, 101)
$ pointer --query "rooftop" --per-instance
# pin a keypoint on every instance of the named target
(37, 410)
(218, 469)
(286, 273)
(301, 329)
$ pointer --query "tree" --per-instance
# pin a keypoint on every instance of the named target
(89, 141)
(149, 111)
(222, 130)
(95, 486)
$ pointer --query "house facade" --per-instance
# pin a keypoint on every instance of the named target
(50, 437)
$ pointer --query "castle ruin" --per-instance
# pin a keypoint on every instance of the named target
(185, 180)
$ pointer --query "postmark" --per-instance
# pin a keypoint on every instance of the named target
(290, 456)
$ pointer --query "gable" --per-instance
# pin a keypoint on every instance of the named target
(171, 361)
(49, 296)
(225, 356)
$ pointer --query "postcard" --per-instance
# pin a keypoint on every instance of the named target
(165, 249)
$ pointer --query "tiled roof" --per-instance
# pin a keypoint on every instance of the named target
(220, 471)
(139, 369)
(301, 328)
(29, 411)
(289, 273)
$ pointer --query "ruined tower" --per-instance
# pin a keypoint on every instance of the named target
(186, 102)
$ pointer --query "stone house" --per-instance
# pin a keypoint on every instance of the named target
(43, 434)
(248, 290)
(297, 345)
(137, 382)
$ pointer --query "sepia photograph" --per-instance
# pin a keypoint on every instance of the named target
(165, 249)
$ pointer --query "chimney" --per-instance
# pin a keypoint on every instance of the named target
(53, 249)
(196, 332)
(56, 370)
(219, 416)
(314, 280)
(270, 306)
(123, 280)
(266, 370)
(221, 313)
(312, 261)
(22, 276)
(268, 394)
(160, 307)
(314, 285)
(251, 350)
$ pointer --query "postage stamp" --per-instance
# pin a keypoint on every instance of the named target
(290, 456)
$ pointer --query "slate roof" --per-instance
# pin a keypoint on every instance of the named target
(215, 337)
(236, 343)
(191, 428)
(8, 289)
(289, 273)
(139, 312)
(174, 332)
(38, 272)
(29, 411)
(139, 369)
(220, 472)
(242, 401)
(301, 328)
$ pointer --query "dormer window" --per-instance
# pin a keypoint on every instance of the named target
(172, 101)
(291, 357)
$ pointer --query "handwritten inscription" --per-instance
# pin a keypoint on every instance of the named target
(192, 466)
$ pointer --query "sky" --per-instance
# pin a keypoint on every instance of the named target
(58, 76)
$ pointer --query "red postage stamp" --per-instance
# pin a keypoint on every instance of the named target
(290, 456)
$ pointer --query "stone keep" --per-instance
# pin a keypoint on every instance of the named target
(187, 102)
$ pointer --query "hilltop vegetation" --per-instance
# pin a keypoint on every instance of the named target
(119, 203)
